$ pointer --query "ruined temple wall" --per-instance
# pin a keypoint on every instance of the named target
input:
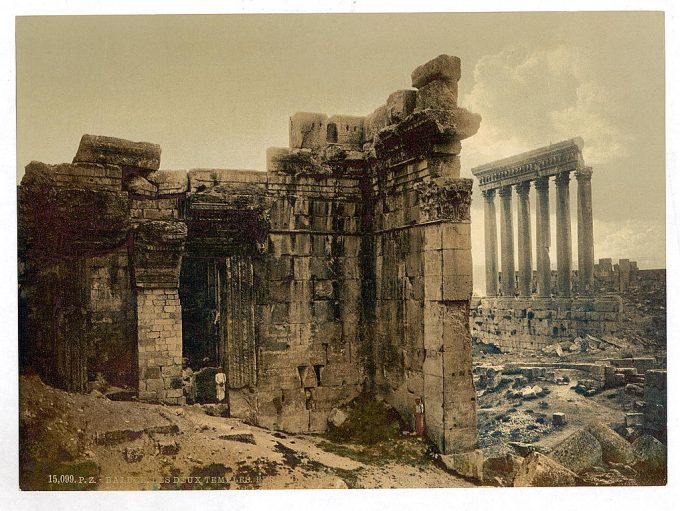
(308, 313)
(423, 286)
(110, 309)
(531, 324)
(346, 266)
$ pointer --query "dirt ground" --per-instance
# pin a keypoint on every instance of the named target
(86, 441)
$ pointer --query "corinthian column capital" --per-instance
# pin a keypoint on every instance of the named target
(584, 174)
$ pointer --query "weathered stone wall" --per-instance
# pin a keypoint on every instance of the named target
(110, 309)
(159, 337)
(308, 313)
(345, 267)
(531, 324)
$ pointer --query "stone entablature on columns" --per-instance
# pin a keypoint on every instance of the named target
(544, 162)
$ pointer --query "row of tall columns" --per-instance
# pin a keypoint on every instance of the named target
(563, 235)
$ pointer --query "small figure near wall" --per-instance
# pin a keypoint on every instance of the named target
(420, 418)
(220, 380)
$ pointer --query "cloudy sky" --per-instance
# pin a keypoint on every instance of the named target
(216, 91)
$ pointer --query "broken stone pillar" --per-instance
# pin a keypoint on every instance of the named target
(543, 236)
(158, 248)
(524, 238)
(586, 251)
(563, 235)
(507, 243)
(490, 243)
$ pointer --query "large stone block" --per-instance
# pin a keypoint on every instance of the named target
(578, 452)
(400, 104)
(438, 96)
(444, 68)
(116, 151)
(308, 130)
(539, 470)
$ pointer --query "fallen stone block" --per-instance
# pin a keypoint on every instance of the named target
(634, 419)
(167, 447)
(500, 465)
(523, 449)
(634, 389)
(133, 454)
(539, 470)
(468, 464)
(246, 438)
(337, 417)
(615, 449)
(116, 436)
(559, 419)
(116, 151)
(578, 452)
(652, 457)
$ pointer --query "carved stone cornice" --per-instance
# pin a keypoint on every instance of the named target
(447, 201)
(547, 161)
(157, 253)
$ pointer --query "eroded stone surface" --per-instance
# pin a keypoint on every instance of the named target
(345, 267)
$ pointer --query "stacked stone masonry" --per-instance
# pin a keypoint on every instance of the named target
(344, 268)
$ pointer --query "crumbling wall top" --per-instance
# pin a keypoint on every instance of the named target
(116, 151)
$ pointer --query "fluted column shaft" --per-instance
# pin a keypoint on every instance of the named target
(543, 237)
(524, 238)
(507, 243)
(586, 251)
(490, 243)
(563, 228)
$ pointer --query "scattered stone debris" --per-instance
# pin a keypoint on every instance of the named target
(559, 419)
(337, 417)
(539, 470)
(133, 454)
(468, 464)
(167, 447)
(615, 449)
(246, 438)
(578, 452)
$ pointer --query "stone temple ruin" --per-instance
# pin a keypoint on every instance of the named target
(345, 267)
(520, 311)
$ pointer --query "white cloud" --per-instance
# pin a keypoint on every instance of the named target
(530, 98)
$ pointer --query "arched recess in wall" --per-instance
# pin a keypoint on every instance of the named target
(332, 133)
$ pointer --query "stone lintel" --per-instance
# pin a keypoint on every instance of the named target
(117, 151)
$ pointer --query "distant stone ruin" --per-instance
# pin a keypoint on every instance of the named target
(516, 313)
(345, 267)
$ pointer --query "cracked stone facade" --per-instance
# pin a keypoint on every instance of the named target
(345, 267)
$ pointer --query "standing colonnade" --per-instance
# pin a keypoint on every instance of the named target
(556, 161)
